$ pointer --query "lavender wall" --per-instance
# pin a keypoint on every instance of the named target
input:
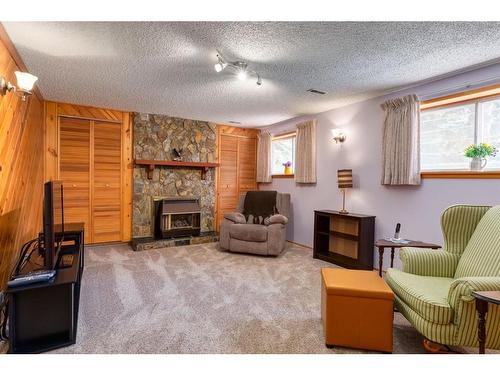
(417, 208)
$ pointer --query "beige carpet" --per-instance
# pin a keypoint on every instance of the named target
(196, 299)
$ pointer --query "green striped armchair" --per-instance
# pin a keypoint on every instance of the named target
(434, 289)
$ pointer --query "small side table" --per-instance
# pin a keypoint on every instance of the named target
(482, 300)
(382, 244)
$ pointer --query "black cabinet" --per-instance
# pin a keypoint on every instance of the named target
(44, 316)
(344, 239)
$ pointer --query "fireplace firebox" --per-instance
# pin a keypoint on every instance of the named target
(177, 217)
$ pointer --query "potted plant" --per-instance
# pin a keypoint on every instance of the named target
(288, 167)
(478, 154)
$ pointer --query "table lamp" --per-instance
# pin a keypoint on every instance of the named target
(344, 177)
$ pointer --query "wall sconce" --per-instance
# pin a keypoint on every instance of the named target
(25, 83)
(338, 135)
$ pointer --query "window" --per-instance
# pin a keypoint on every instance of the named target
(282, 151)
(446, 130)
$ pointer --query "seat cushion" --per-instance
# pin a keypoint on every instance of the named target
(355, 283)
(481, 256)
(249, 232)
(426, 295)
(248, 247)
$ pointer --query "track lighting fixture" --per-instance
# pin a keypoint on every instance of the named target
(25, 83)
(221, 65)
(239, 67)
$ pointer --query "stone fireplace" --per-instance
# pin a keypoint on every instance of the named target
(155, 138)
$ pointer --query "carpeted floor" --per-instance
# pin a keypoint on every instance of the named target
(196, 299)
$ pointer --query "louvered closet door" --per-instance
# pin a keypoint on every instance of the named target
(107, 182)
(74, 170)
(228, 176)
(247, 151)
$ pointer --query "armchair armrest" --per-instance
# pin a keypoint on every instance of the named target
(428, 262)
(235, 217)
(461, 289)
(276, 219)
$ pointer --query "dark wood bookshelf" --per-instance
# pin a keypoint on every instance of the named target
(344, 239)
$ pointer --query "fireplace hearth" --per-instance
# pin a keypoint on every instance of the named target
(177, 217)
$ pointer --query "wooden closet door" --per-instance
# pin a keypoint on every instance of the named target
(247, 152)
(74, 170)
(106, 208)
(228, 176)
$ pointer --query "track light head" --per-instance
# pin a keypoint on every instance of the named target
(242, 75)
(241, 69)
(259, 80)
(218, 67)
(221, 64)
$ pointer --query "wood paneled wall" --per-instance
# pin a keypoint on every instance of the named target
(21, 167)
(55, 111)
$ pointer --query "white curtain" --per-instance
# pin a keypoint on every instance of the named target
(401, 142)
(305, 153)
(264, 156)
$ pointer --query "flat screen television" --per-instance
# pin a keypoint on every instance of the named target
(53, 222)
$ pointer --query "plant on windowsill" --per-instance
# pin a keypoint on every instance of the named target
(288, 167)
(478, 154)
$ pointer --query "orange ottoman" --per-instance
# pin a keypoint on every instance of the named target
(356, 309)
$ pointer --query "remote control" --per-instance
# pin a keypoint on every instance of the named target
(32, 277)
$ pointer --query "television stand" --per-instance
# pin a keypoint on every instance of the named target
(44, 316)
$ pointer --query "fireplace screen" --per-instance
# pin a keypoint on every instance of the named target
(178, 221)
(175, 217)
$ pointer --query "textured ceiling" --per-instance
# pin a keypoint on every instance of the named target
(167, 67)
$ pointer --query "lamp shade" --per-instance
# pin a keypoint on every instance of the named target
(344, 177)
(25, 81)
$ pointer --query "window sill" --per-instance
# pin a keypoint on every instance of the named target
(488, 174)
(283, 176)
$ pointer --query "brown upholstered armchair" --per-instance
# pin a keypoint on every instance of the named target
(268, 238)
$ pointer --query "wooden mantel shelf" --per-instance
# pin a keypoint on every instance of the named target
(152, 164)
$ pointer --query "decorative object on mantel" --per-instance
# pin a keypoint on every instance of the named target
(344, 177)
(288, 167)
(152, 164)
(478, 154)
(177, 154)
(338, 135)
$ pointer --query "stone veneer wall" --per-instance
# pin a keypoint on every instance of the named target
(155, 137)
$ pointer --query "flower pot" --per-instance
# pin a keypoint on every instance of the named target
(288, 170)
(477, 164)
